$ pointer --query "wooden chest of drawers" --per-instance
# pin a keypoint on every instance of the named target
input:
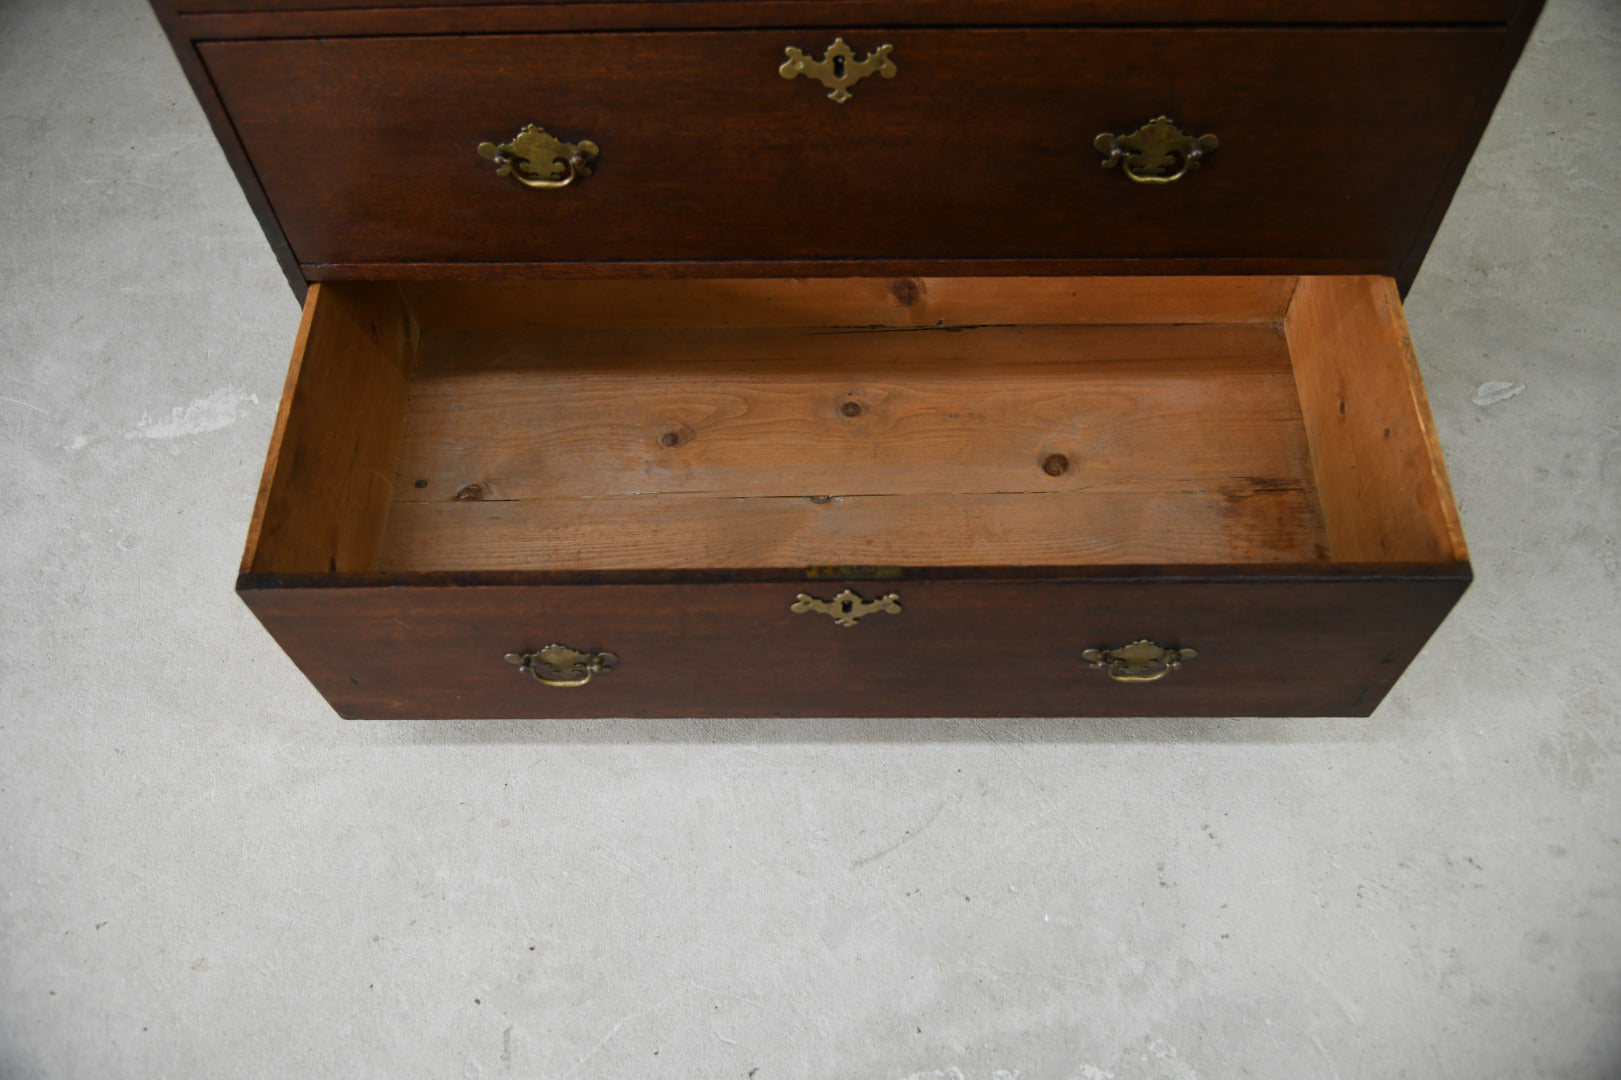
(1055, 366)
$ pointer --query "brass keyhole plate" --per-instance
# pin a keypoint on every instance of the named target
(847, 607)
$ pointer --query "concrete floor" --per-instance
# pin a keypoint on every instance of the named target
(204, 873)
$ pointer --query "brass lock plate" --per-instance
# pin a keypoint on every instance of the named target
(838, 69)
(846, 608)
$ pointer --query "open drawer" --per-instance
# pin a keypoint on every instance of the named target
(858, 496)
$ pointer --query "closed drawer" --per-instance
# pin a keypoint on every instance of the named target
(1027, 473)
(1333, 144)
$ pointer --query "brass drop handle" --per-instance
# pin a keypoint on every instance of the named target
(559, 665)
(1141, 661)
(537, 159)
(1148, 154)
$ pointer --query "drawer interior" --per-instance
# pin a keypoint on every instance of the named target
(734, 423)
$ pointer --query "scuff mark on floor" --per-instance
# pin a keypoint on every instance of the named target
(907, 835)
(1490, 393)
(218, 410)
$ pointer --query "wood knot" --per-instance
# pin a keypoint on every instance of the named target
(906, 291)
(677, 434)
(1055, 464)
(851, 409)
(470, 493)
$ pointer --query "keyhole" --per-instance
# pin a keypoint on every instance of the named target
(838, 67)
(849, 606)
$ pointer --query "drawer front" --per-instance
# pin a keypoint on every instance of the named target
(1332, 144)
(956, 648)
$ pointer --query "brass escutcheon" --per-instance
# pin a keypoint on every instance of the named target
(559, 665)
(846, 607)
(1149, 154)
(1141, 661)
(537, 159)
(838, 68)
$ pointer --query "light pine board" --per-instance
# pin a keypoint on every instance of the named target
(1179, 444)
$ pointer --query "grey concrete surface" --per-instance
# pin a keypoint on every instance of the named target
(204, 873)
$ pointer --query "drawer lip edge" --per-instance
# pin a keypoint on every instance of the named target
(857, 266)
(359, 18)
(1459, 572)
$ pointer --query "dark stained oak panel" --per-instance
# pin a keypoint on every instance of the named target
(1307, 646)
(1334, 144)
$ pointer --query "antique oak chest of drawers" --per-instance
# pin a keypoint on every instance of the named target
(851, 358)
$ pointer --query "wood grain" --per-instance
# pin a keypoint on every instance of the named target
(191, 22)
(765, 444)
(849, 413)
(847, 301)
(1271, 643)
(278, 433)
(915, 446)
(1380, 476)
(1241, 521)
(337, 436)
(1304, 172)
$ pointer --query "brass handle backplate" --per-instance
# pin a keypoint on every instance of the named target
(838, 69)
(537, 159)
(559, 665)
(1159, 152)
(847, 607)
(1141, 661)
